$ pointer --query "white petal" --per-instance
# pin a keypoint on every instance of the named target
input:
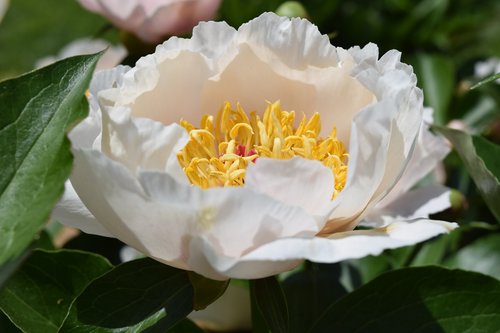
(119, 203)
(217, 266)
(382, 135)
(158, 216)
(286, 180)
(297, 42)
(418, 203)
(143, 144)
(286, 253)
(161, 76)
(87, 132)
(72, 212)
(128, 253)
(233, 220)
(290, 66)
(107, 79)
(429, 151)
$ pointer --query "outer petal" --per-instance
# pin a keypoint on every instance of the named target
(382, 135)
(286, 253)
(117, 200)
(419, 203)
(71, 211)
(429, 151)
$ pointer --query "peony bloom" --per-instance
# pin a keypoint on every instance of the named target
(152, 20)
(242, 153)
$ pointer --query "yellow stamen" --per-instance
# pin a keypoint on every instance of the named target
(218, 154)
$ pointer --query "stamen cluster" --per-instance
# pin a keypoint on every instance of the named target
(218, 152)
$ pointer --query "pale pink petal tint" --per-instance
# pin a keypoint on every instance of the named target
(154, 20)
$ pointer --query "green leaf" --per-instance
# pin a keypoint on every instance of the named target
(153, 324)
(317, 286)
(35, 156)
(134, 291)
(482, 256)
(370, 267)
(42, 241)
(6, 326)
(206, 291)
(270, 303)
(489, 153)
(419, 299)
(480, 158)
(39, 295)
(9, 268)
(432, 252)
(436, 75)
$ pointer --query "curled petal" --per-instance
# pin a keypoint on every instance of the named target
(71, 211)
(429, 151)
(142, 144)
(418, 203)
(379, 152)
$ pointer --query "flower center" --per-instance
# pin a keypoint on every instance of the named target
(219, 152)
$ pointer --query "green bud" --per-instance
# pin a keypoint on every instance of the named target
(292, 9)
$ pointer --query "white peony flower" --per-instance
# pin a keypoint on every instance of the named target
(252, 195)
(152, 20)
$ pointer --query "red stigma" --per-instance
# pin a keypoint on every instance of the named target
(241, 150)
